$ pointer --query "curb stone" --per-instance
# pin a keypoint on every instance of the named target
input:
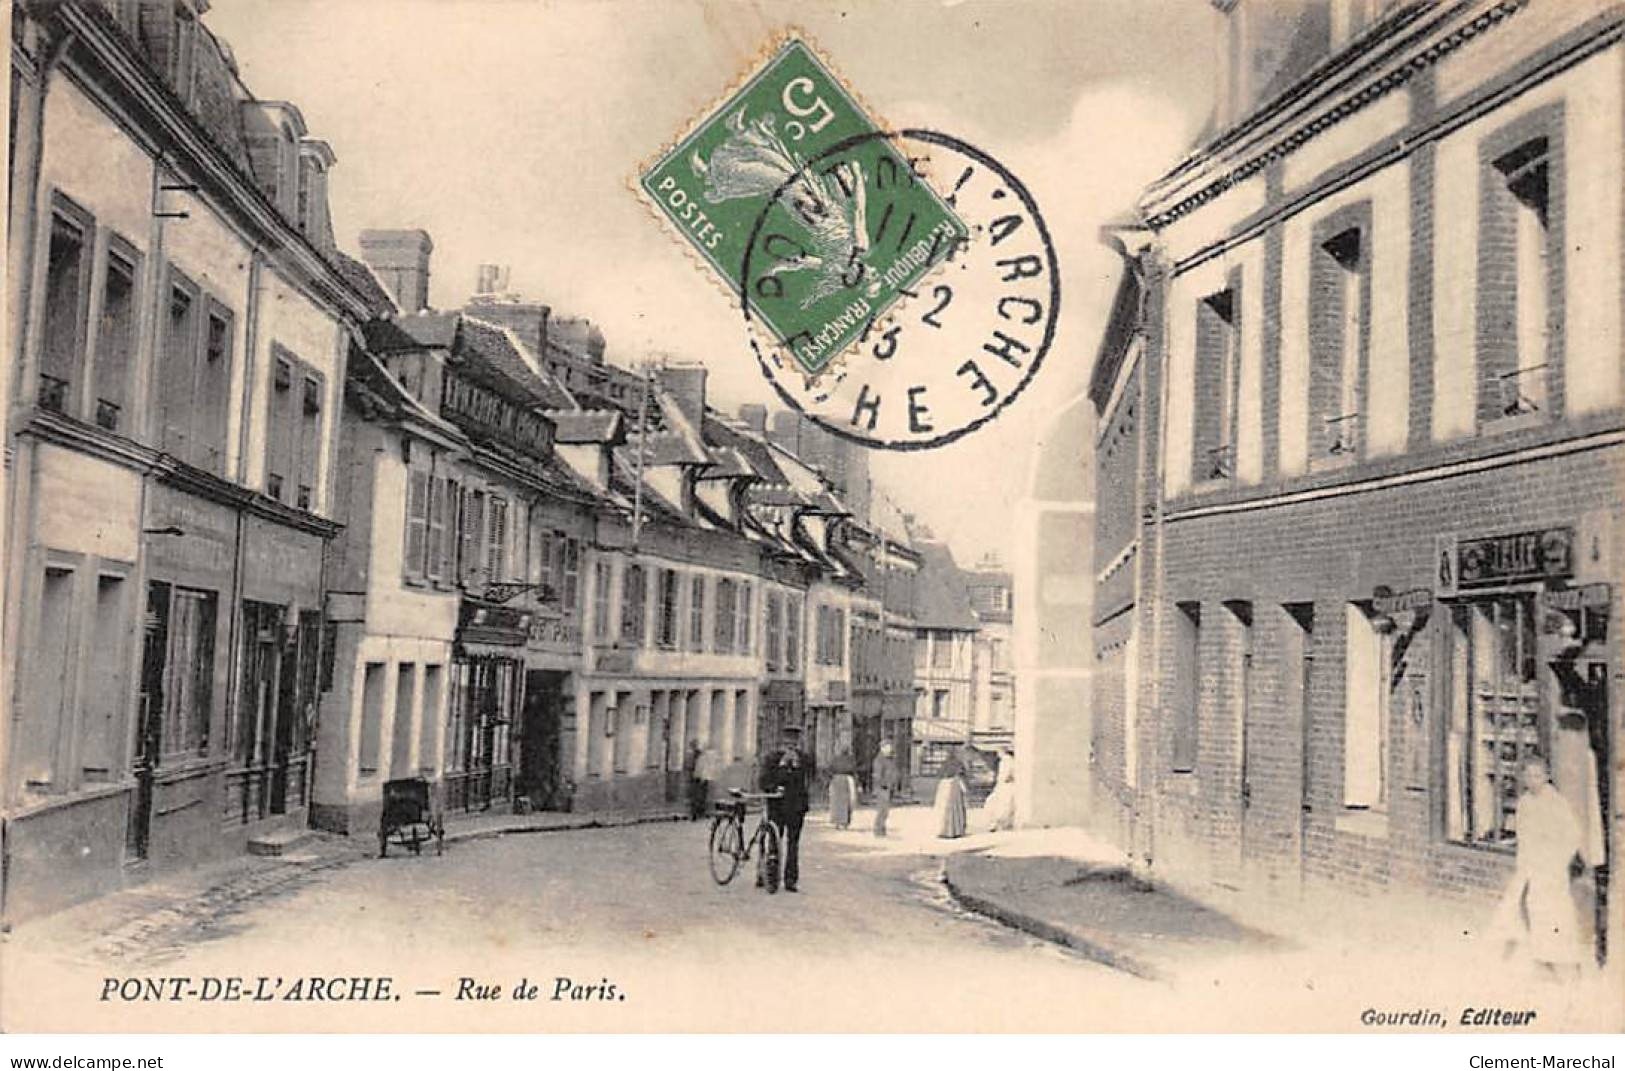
(1047, 931)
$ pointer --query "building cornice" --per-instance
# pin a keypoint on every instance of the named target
(1321, 100)
(108, 65)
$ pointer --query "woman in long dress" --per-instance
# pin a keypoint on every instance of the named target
(843, 790)
(949, 808)
(999, 812)
(1538, 911)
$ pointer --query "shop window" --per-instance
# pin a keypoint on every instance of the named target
(666, 608)
(1218, 358)
(252, 718)
(601, 628)
(725, 620)
(1186, 658)
(792, 633)
(1495, 722)
(115, 337)
(372, 718)
(633, 596)
(188, 676)
(599, 730)
(67, 272)
(696, 613)
(1365, 710)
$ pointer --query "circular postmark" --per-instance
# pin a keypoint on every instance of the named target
(925, 333)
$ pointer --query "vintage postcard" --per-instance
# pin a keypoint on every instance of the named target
(602, 516)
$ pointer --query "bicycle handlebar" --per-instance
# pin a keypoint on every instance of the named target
(740, 794)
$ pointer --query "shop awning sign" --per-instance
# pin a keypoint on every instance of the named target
(1537, 554)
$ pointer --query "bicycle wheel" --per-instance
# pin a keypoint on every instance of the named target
(726, 848)
(769, 862)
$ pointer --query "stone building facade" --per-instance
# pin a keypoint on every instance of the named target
(1360, 457)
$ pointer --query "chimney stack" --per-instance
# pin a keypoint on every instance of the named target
(686, 384)
(400, 258)
(754, 417)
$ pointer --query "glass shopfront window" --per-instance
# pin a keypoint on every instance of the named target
(1495, 715)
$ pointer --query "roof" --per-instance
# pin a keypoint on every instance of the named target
(586, 425)
(363, 281)
(423, 330)
(755, 451)
(496, 348)
(941, 599)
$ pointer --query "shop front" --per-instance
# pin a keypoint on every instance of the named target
(270, 727)
(486, 700)
(546, 740)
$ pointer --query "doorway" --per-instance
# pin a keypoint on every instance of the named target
(541, 771)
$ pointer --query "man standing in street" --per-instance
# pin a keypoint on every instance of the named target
(697, 789)
(786, 773)
(884, 780)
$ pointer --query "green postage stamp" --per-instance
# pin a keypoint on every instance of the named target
(803, 207)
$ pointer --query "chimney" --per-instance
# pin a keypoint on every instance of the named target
(492, 280)
(401, 260)
(787, 431)
(754, 417)
(686, 384)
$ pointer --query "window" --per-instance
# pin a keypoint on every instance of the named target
(939, 703)
(549, 564)
(696, 613)
(67, 268)
(417, 520)
(177, 370)
(180, 672)
(401, 739)
(792, 633)
(600, 599)
(453, 505)
(743, 618)
(372, 718)
(773, 628)
(572, 574)
(1218, 358)
(1339, 328)
(49, 666)
(115, 338)
(1365, 711)
(438, 492)
(632, 604)
(497, 557)
(1495, 716)
(471, 535)
(1187, 670)
(214, 392)
(942, 650)
(666, 609)
(102, 736)
(726, 619)
(310, 440)
(433, 693)
(1524, 214)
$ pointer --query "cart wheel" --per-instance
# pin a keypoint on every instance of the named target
(770, 859)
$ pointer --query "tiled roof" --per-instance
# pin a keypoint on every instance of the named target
(496, 348)
(585, 425)
(362, 280)
(436, 330)
(941, 600)
(727, 463)
(755, 451)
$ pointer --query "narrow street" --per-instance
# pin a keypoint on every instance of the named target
(870, 941)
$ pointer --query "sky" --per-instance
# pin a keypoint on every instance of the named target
(510, 130)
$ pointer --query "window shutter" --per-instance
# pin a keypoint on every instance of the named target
(437, 527)
(417, 493)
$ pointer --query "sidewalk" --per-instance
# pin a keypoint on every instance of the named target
(158, 919)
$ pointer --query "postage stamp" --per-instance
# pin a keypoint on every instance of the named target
(841, 236)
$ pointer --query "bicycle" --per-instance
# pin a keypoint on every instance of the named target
(729, 848)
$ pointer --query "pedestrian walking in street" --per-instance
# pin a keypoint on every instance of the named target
(786, 773)
(949, 808)
(1539, 916)
(843, 790)
(884, 776)
(999, 812)
(697, 789)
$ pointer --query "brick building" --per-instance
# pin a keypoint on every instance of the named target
(1361, 451)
